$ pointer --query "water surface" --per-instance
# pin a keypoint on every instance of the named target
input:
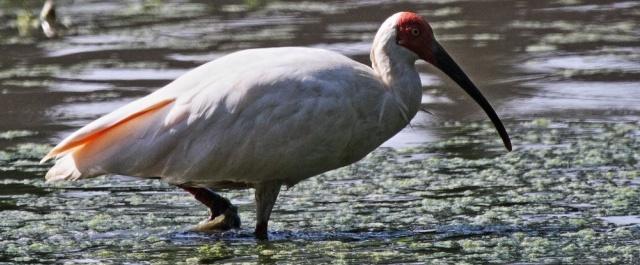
(564, 75)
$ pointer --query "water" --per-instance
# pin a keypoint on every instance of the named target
(564, 76)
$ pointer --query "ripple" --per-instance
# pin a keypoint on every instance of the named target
(621, 220)
(607, 62)
(115, 74)
(578, 95)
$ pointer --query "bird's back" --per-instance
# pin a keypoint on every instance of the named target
(255, 115)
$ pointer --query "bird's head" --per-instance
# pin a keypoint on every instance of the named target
(414, 34)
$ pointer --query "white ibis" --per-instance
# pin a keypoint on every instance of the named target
(263, 118)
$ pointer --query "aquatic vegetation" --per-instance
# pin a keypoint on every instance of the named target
(10, 135)
(567, 194)
(548, 202)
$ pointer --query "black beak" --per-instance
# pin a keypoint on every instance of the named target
(443, 61)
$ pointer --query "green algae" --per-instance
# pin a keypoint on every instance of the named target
(10, 135)
(460, 200)
(542, 203)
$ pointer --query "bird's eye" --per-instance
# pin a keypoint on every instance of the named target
(415, 32)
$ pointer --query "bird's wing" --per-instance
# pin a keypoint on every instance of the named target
(103, 125)
(131, 112)
(222, 117)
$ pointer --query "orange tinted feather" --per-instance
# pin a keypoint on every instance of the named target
(62, 149)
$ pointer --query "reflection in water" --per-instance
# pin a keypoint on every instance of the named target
(598, 96)
(567, 61)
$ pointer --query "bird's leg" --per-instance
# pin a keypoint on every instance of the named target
(266, 195)
(223, 215)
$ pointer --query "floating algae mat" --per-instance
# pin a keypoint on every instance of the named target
(567, 194)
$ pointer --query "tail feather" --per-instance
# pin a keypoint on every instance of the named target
(85, 152)
(64, 169)
(102, 126)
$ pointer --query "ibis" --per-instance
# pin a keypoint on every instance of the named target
(264, 118)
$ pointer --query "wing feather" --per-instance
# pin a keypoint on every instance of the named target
(102, 126)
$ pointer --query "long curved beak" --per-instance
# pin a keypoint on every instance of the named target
(444, 62)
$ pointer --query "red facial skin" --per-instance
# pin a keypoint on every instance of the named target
(415, 34)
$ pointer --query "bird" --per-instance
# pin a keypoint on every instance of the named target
(48, 20)
(263, 119)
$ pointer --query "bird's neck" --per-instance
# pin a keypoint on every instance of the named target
(396, 69)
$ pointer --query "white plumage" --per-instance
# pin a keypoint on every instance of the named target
(258, 118)
(247, 118)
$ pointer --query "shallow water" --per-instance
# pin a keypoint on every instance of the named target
(564, 75)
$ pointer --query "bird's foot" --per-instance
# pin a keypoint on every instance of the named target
(226, 221)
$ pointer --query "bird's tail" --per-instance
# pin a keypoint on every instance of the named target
(64, 169)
